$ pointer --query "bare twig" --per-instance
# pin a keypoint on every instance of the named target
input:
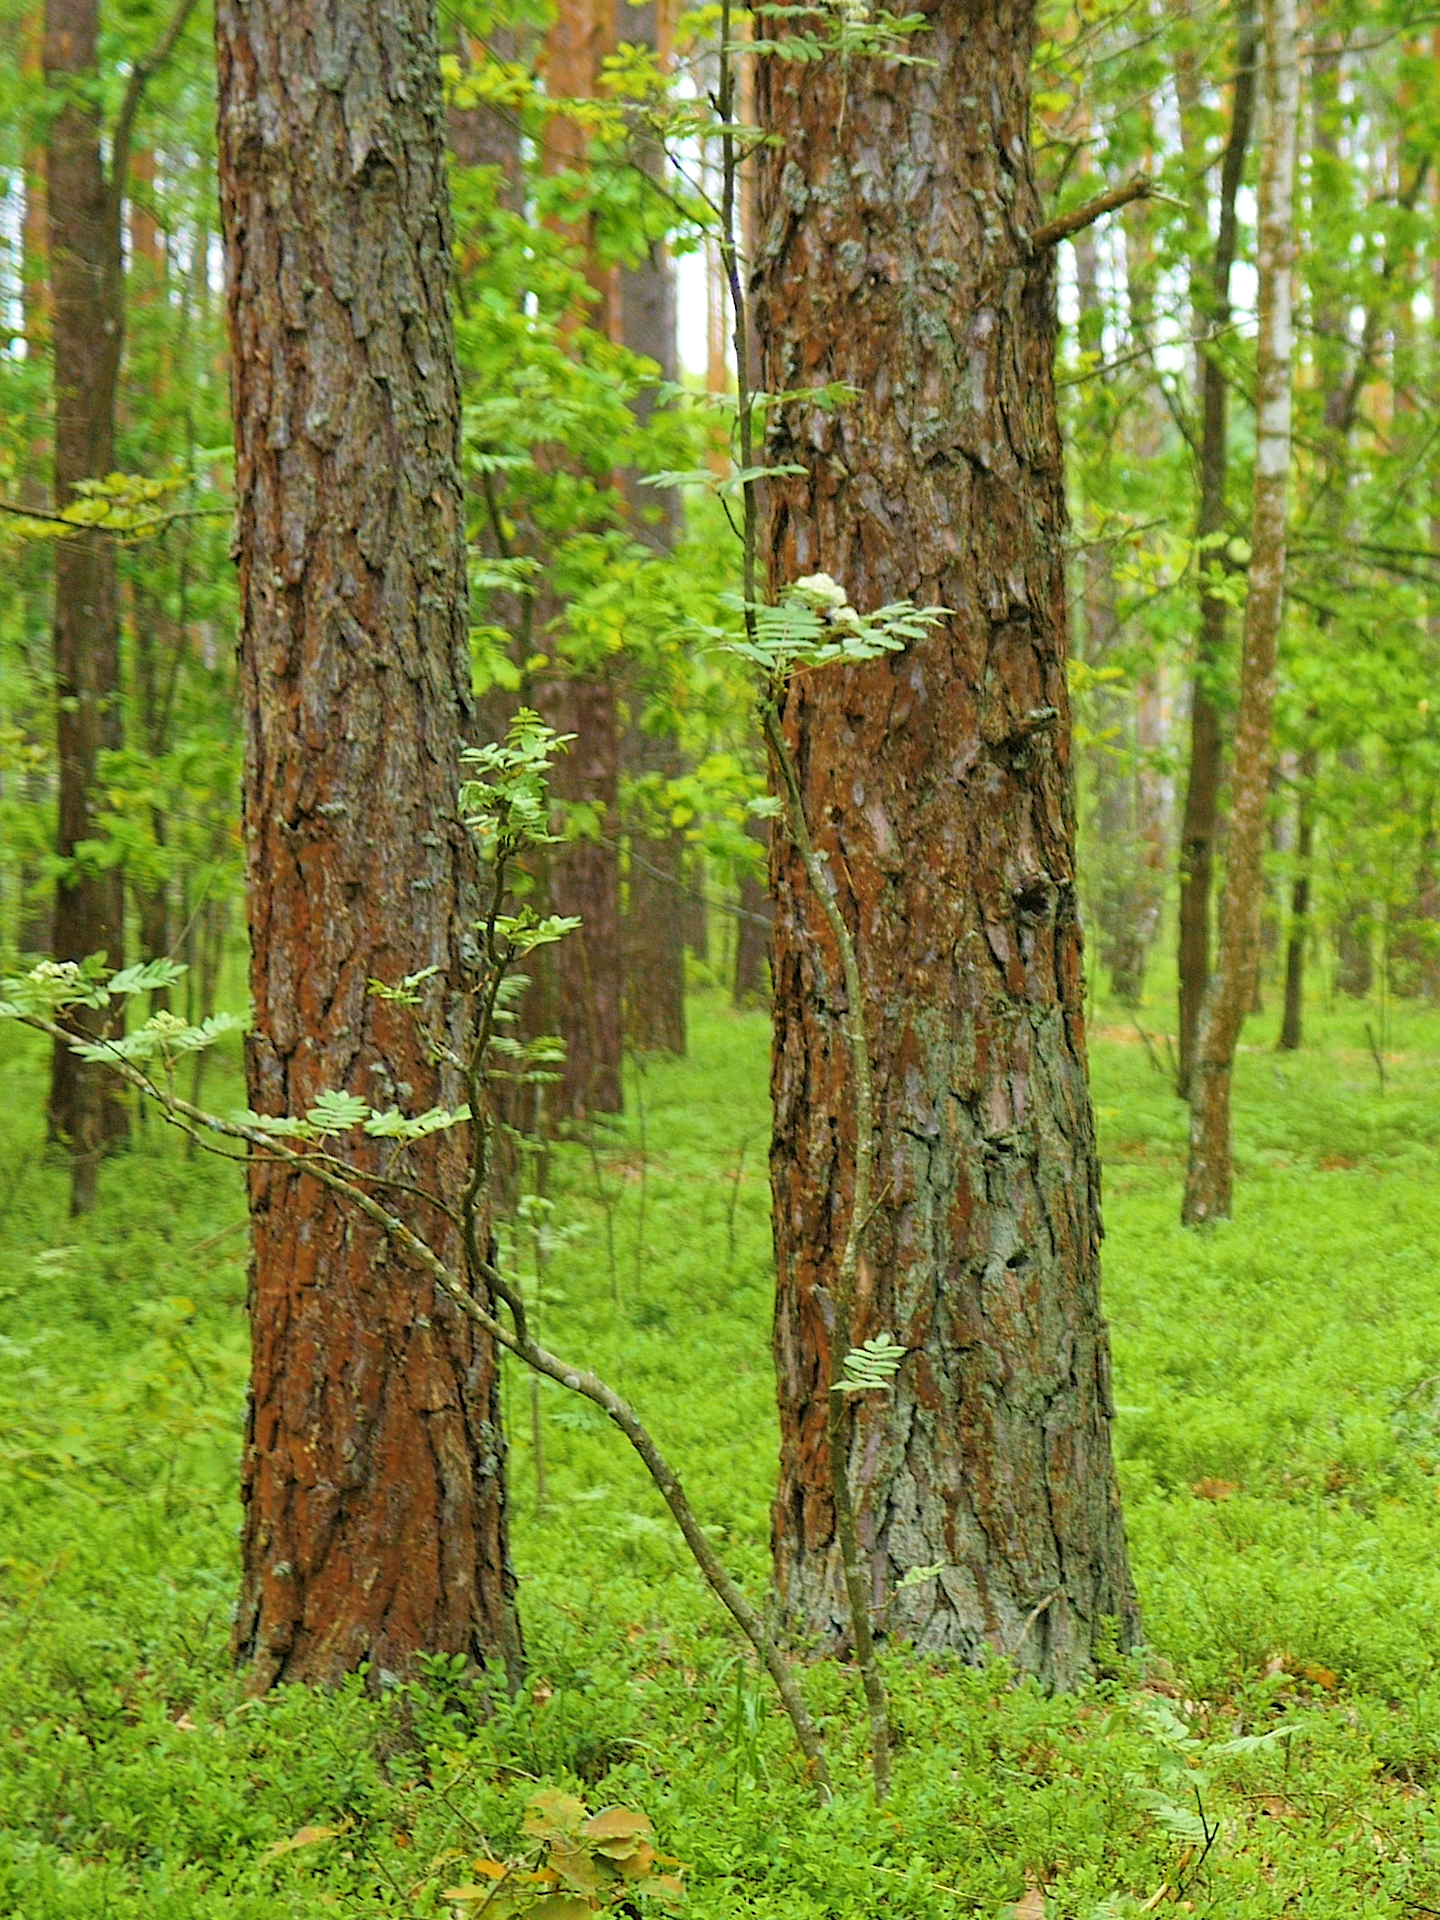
(522, 1344)
(1078, 218)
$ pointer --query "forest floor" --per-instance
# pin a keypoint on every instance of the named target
(1278, 1380)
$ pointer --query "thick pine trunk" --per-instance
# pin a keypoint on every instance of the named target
(373, 1478)
(87, 314)
(893, 258)
(1231, 989)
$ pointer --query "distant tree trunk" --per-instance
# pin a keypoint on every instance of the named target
(1412, 948)
(654, 949)
(34, 930)
(373, 1477)
(156, 637)
(584, 879)
(155, 642)
(1200, 820)
(1292, 1023)
(939, 785)
(1227, 999)
(88, 315)
(1125, 885)
(35, 221)
(654, 959)
(485, 135)
(752, 928)
(1354, 952)
(584, 876)
(1427, 904)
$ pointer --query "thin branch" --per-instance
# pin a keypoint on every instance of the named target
(1078, 218)
(843, 1336)
(141, 74)
(576, 1379)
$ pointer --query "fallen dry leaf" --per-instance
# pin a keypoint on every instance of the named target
(1208, 1489)
(306, 1837)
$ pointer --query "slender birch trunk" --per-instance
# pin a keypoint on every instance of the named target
(1200, 819)
(1228, 997)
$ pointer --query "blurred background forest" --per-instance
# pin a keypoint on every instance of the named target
(569, 249)
(1274, 1749)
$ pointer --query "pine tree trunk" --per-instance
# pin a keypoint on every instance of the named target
(1201, 817)
(87, 303)
(587, 970)
(654, 957)
(373, 1478)
(1228, 997)
(894, 258)
(654, 950)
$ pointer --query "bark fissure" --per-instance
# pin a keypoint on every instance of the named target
(937, 784)
(373, 1476)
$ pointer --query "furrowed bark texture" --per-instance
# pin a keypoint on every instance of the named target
(1228, 997)
(373, 1476)
(892, 257)
(87, 307)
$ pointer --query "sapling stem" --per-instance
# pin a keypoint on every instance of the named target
(342, 1179)
(842, 1337)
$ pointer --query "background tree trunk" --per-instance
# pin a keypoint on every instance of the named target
(1201, 816)
(1228, 998)
(373, 1478)
(87, 322)
(584, 879)
(654, 956)
(893, 258)
(752, 927)
(584, 875)
(1292, 1024)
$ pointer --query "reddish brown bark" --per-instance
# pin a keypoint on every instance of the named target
(587, 971)
(87, 317)
(373, 1478)
(654, 914)
(894, 258)
(654, 958)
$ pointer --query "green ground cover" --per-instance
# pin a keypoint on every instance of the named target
(1275, 1751)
